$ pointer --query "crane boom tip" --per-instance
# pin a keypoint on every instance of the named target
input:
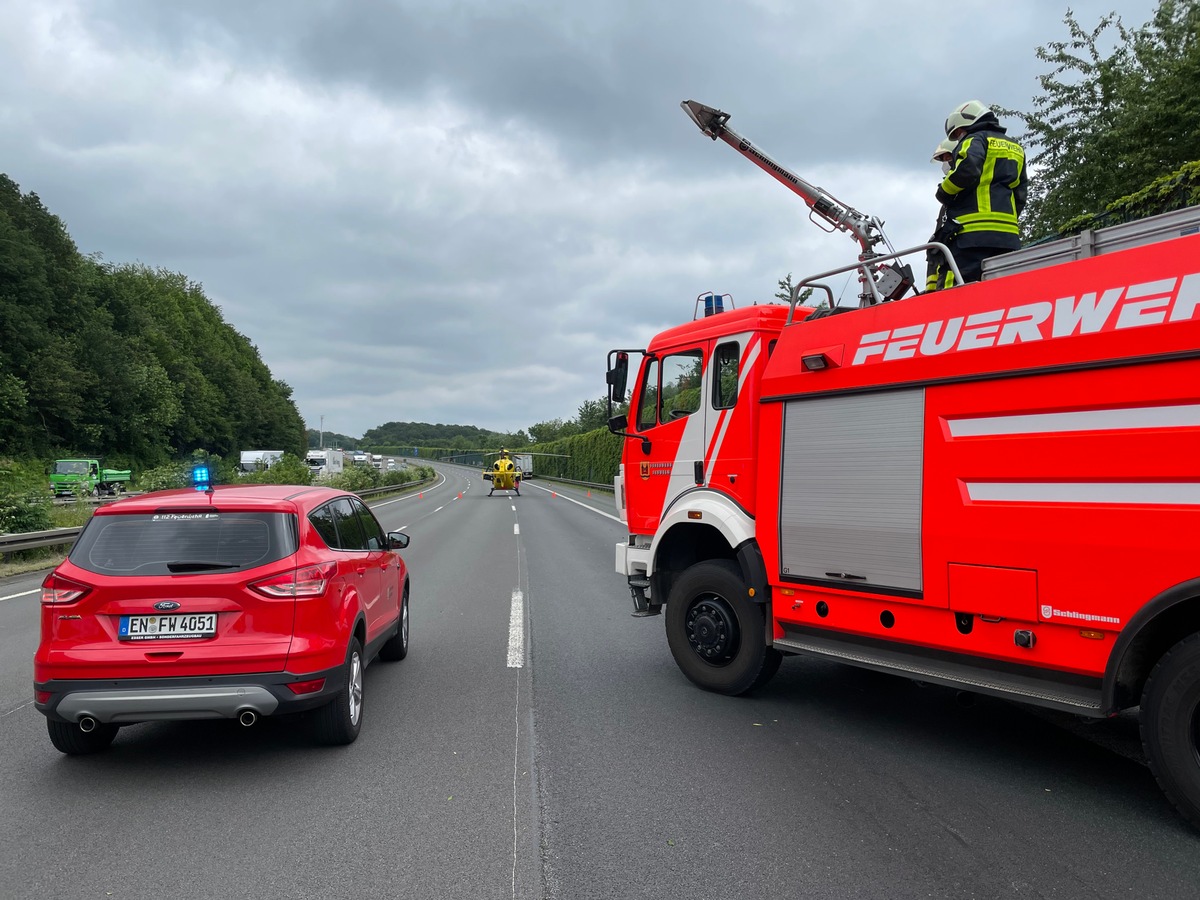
(708, 119)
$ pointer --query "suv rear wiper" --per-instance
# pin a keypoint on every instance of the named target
(190, 566)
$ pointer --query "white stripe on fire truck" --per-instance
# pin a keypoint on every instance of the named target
(1156, 493)
(1182, 416)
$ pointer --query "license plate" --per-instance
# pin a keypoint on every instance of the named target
(160, 628)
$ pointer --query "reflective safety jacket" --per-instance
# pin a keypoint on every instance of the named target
(986, 187)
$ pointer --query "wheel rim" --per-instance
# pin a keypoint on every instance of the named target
(712, 630)
(354, 692)
(404, 622)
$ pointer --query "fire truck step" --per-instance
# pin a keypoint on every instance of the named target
(1078, 695)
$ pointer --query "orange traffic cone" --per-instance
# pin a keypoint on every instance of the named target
(589, 493)
(420, 495)
(460, 495)
(554, 493)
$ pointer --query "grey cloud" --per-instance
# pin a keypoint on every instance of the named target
(400, 202)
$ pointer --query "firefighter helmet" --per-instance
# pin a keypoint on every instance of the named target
(944, 149)
(965, 114)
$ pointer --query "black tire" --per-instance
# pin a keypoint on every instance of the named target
(340, 720)
(396, 647)
(771, 665)
(716, 633)
(1170, 724)
(68, 738)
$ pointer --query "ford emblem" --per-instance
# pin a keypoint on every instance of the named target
(166, 605)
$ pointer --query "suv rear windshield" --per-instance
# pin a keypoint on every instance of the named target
(181, 543)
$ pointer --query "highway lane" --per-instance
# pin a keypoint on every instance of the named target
(591, 768)
(18, 637)
(830, 782)
(433, 800)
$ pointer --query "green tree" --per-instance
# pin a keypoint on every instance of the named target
(1110, 122)
(593, 414)
(785, 289)
(552, 430)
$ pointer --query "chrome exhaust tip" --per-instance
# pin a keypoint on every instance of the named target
(87, 724)
(247, 717)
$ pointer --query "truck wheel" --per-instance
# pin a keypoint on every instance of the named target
(716, 632)
(1170, 722)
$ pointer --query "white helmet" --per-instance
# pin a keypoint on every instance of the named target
(965, 115)
(945, 148)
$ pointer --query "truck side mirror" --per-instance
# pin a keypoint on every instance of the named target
(617, 424)
(618, 376)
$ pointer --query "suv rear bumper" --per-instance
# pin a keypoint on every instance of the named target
(125, 701)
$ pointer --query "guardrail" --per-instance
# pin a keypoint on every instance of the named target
(11, 543)
(393, 488)
(55, 537)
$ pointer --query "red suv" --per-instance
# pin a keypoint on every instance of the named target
(235, 602)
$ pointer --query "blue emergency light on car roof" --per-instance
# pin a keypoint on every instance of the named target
(201, 478)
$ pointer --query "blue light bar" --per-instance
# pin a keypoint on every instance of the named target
(201, 478)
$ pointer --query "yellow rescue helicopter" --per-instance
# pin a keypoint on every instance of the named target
(503, 474)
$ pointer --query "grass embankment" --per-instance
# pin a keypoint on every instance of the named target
(67, 515)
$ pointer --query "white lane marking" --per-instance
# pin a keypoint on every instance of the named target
(516, 631)
(16, 709)
(439, 509)
(516, 758)
(516, 528)
(22, 594)
(584, 505)
(514, 509)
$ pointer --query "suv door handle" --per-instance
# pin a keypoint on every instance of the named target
(362, 570)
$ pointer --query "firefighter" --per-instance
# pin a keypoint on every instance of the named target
(938, 275)
(985, 188)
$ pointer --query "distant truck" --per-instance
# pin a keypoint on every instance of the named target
(359, 457)
(524, 464)
(70, 476)
(256, 460)
(326, 462)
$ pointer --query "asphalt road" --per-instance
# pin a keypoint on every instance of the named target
(567, 757)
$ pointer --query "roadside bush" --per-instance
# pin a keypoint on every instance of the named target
(165, 478)
(25, 503)
(290, 469)
(356, 478)
(407, 476)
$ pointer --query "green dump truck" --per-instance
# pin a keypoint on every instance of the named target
(71, 476)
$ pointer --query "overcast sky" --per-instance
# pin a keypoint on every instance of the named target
(448, 211)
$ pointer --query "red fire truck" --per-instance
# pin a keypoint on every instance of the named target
(994, 487)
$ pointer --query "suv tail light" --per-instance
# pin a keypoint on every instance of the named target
(56, 589)
(307, 581)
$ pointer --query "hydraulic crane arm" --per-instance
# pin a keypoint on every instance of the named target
(867, 230)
